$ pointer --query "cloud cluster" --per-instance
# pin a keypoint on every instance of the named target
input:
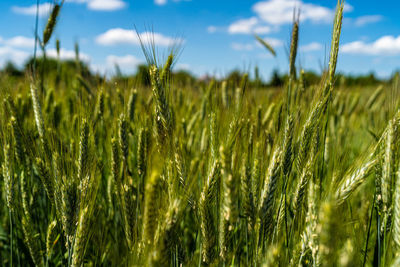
(97, 5)
(212, 29)
(66, 54)
(164, 2)
(18, 42)
(44, 9)
(271, 14)
(8, 53)
(272, 41)
(118, 36)
(105, 5)
(386, 45)
(248, 26)
(127, 62)
(160, 2)
(348, 8)
(314, 46)
(278, 12)
(369, 19)
(15, 49)
(19, 48)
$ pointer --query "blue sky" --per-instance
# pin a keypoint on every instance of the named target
(215, 35)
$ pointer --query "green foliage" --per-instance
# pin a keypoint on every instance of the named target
(197, 173)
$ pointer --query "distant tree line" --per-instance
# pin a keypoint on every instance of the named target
(62, 69)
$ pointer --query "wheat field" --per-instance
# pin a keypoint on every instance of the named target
(216, 173)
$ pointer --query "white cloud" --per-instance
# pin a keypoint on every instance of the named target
(76, 1)
(106, 5)
(270, 14)
(386, 45)
(363, 20)
(160, 2)
(17, 56)
(164, 2)
(19, 41)
(242, 47)
(211, 29)
(348, 8)
(123, 36)
(248, 26)
(97, 5)
(44, 9)
(101, 5)
(279, 12)
(67, 54)
(272, 41)
(262, 29)
(15, 49)
(126, 63)
(314, 46)
(243, 26)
